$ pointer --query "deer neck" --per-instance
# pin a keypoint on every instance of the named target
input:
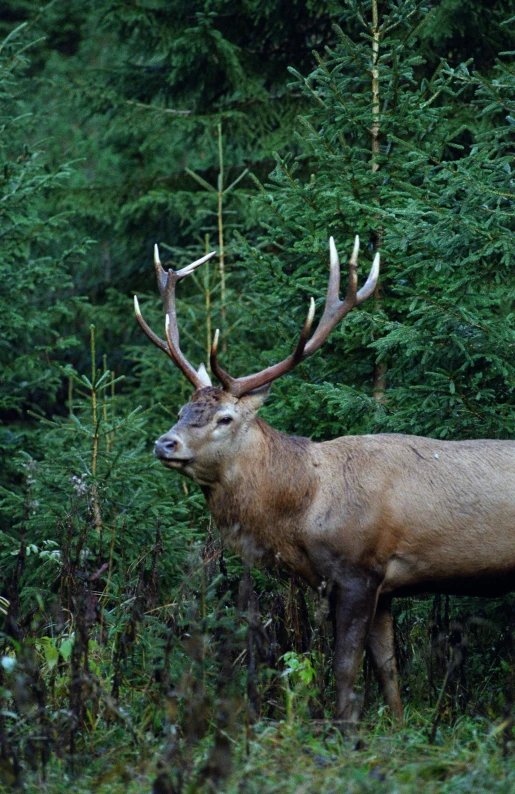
(263, 491)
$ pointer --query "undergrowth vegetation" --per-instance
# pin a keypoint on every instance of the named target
(123, 670)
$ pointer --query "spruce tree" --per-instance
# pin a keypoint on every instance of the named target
(39, 255)
(384, 163)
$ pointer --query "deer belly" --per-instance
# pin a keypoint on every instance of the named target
(458, 568)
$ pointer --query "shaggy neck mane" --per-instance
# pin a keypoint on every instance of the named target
(270, 476)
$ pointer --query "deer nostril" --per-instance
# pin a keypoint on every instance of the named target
(165, 447)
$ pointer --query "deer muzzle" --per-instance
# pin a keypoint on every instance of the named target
(170, 450)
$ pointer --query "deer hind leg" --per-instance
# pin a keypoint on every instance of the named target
(381, 645)
(355, 597)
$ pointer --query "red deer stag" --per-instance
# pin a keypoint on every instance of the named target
(370, 517)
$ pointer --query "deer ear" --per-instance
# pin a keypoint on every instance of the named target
(203, 376)
(255, 398)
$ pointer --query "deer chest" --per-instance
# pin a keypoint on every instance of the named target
(265, 549)
(253, 548)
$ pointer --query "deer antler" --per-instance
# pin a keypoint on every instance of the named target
(334, 311)
(166, 281)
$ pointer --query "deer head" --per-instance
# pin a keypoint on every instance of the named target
(218, 421)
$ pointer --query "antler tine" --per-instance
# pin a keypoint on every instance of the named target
(147, 329)
(370, 284)
(225, 379)
(172, 333)
(172, 350)
(334, 311)
(185, 271)
(177, 357)
(162, 274)
(166, 281)
(298, 353)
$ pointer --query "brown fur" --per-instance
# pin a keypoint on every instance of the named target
(370, 516)
(273, 470)
(203, 406)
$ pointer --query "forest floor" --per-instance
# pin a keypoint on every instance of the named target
(474, 755)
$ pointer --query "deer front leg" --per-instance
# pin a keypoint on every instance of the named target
(381, 645)
(355, 605)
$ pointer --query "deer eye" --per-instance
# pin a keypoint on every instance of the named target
(224, 420)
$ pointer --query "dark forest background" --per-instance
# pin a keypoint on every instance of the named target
(136, 652)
